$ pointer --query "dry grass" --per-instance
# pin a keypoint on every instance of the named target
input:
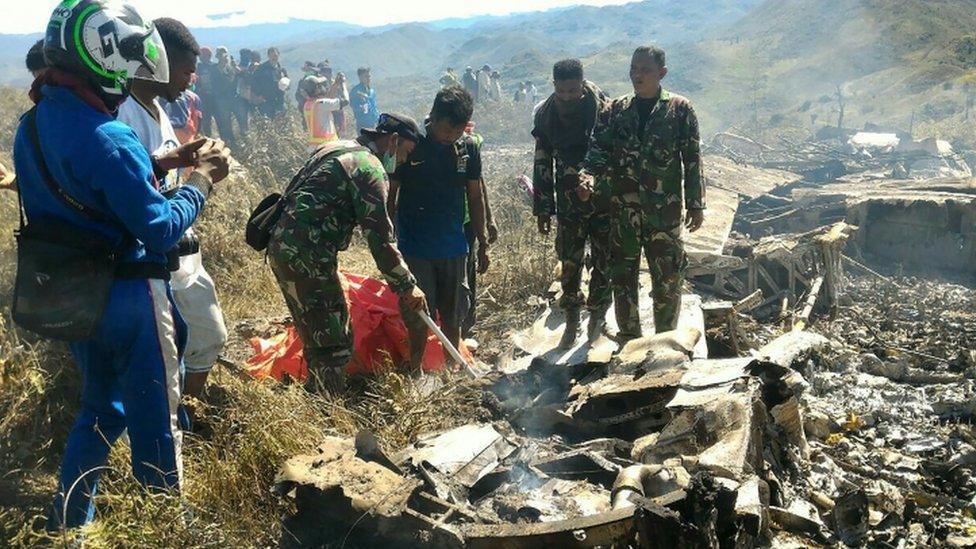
(247, 429)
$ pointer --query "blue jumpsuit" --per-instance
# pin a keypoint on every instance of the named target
(132, 367)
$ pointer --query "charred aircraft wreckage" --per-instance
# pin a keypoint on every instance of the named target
(806, 398)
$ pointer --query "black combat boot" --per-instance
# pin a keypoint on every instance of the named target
(594, 328)
(572, 329)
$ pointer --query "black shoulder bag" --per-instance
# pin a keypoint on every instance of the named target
(63, 277)
(264, 217)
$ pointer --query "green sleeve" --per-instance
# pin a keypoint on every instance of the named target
(598, 156)
(691, 157)
(543, 182)
(368, 191)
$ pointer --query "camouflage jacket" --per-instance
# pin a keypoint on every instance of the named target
(327, 200)
(655, 166)
(559, 157)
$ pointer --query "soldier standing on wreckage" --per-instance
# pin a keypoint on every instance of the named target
(563, 127)
(648, 145)
(343, 184)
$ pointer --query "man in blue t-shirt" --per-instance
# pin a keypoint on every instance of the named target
(362, 100)
(427, 202)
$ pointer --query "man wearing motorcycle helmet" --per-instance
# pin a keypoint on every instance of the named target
(109, 190)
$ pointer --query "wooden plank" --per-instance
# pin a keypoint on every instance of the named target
(773, 286)
(749, 302)
(804, 318)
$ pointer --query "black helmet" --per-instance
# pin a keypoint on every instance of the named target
(107, 42)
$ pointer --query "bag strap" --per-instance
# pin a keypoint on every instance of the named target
(20, 210)
(30, 119)
(318, 160)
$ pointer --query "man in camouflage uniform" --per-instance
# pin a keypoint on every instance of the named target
(563, 125)
(649, 145)
(342, 185)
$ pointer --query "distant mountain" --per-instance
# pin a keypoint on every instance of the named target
(588, 29)
(754, 64)
(13, 54)
(521, 46)
(401, 50)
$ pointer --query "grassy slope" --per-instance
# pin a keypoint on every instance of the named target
(891, 58)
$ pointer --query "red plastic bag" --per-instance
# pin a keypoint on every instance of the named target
(379, 337)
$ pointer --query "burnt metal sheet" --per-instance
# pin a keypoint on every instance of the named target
(460, 457)
(592, 531)
(709, 373)
(748, 181)
(541, 340)
(714, 233)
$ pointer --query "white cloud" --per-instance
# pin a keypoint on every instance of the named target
(19, 17)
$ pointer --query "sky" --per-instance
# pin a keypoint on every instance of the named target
(23, 17)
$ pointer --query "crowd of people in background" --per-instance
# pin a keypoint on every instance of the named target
(527, 92)
(228, 91)
(231, 90)
(485, 85)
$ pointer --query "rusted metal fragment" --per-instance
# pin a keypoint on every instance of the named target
(338, 495)
(619, 405)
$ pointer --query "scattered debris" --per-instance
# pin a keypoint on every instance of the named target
(806, 398)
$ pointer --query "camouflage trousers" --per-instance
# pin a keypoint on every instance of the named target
(574, 229)
(664, 249)
(318, 308)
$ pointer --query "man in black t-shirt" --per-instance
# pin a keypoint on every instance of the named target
(427, 200)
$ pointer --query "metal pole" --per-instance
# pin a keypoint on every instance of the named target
(451, 350)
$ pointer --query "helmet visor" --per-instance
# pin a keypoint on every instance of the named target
(146, 50)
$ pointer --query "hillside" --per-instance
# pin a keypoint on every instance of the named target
(424, 48)
(586, 29)
(13, 50)
(263, 35)
(523, 46)
(889, 58)
(749, 64)
(399, 51)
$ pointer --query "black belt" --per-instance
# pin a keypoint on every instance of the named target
(188, 245)
(141, 270)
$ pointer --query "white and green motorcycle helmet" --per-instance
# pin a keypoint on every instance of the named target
(107, 42)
